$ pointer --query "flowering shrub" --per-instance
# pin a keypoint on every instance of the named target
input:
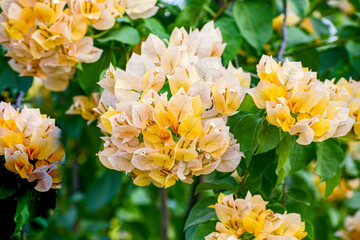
(30, 143)
(162, 135)
(47, 38)
(174, 111)
(249, 219)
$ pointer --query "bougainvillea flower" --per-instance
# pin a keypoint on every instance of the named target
(177, 134)
(46, 39)
(297, 102)
(30, 144)
(250, 216)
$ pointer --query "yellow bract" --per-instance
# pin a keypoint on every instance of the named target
(30, 144)
(299, 103)
(250, 216)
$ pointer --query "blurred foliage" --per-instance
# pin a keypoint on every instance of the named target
(97, 203)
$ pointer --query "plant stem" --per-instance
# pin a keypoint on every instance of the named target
(19, 100)
(164, 214)
(99, 35)
(222, 9)
(241, 184)
(284, 34)
(323, 44)
(284, 194)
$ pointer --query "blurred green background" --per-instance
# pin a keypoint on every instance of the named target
(100, 204)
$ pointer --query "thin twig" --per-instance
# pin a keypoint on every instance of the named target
(19, 100)
(284, 34)
(241, 184)
(284, 194)
(237, 65)
(339, 42)
(164, 214)
(222, 9)
(254, 75)
(75, 184)
(22, 234)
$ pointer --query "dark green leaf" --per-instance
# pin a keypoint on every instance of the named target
(203, 230)
(104, 189)
(283, 168)
(296, 36)
(309, 228)
(11, 79)
(299, 6)
(246, 131)
(156, 28)
(268, 137)
(231, 36)
(89, 74)
(353, 49)
(201, 212)
(301, 155)
(254, 19)
(214, 186)
(22, 211)
(248, 105)
(332, 183)
(299, 195)
(126, 34)
(329, 158)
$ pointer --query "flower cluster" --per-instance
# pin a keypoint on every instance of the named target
(165, 135)
(352, 228)
(46, 38)
(30, 143)
(349, 92)
(299, 103)
(249, 217)
(85, 107)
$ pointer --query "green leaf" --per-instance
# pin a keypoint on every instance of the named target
(299, 195)
(254, 19)
(329, 158)
(126, 34)
(283, 167)
(301, 155)
(353, 49)
(276, 207)
(309, 228)
(203, 230)
(214, 186)
(248, 105)
(259, 164)
(296, 36)
(231, 36)
(268, 137)
(88, 75)
(22, 211)
(156, 27)
(299, 6)
(332, 183)
(246, 131)
(11, 79)
(201, 212)
(104, 189)
(8, 181)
